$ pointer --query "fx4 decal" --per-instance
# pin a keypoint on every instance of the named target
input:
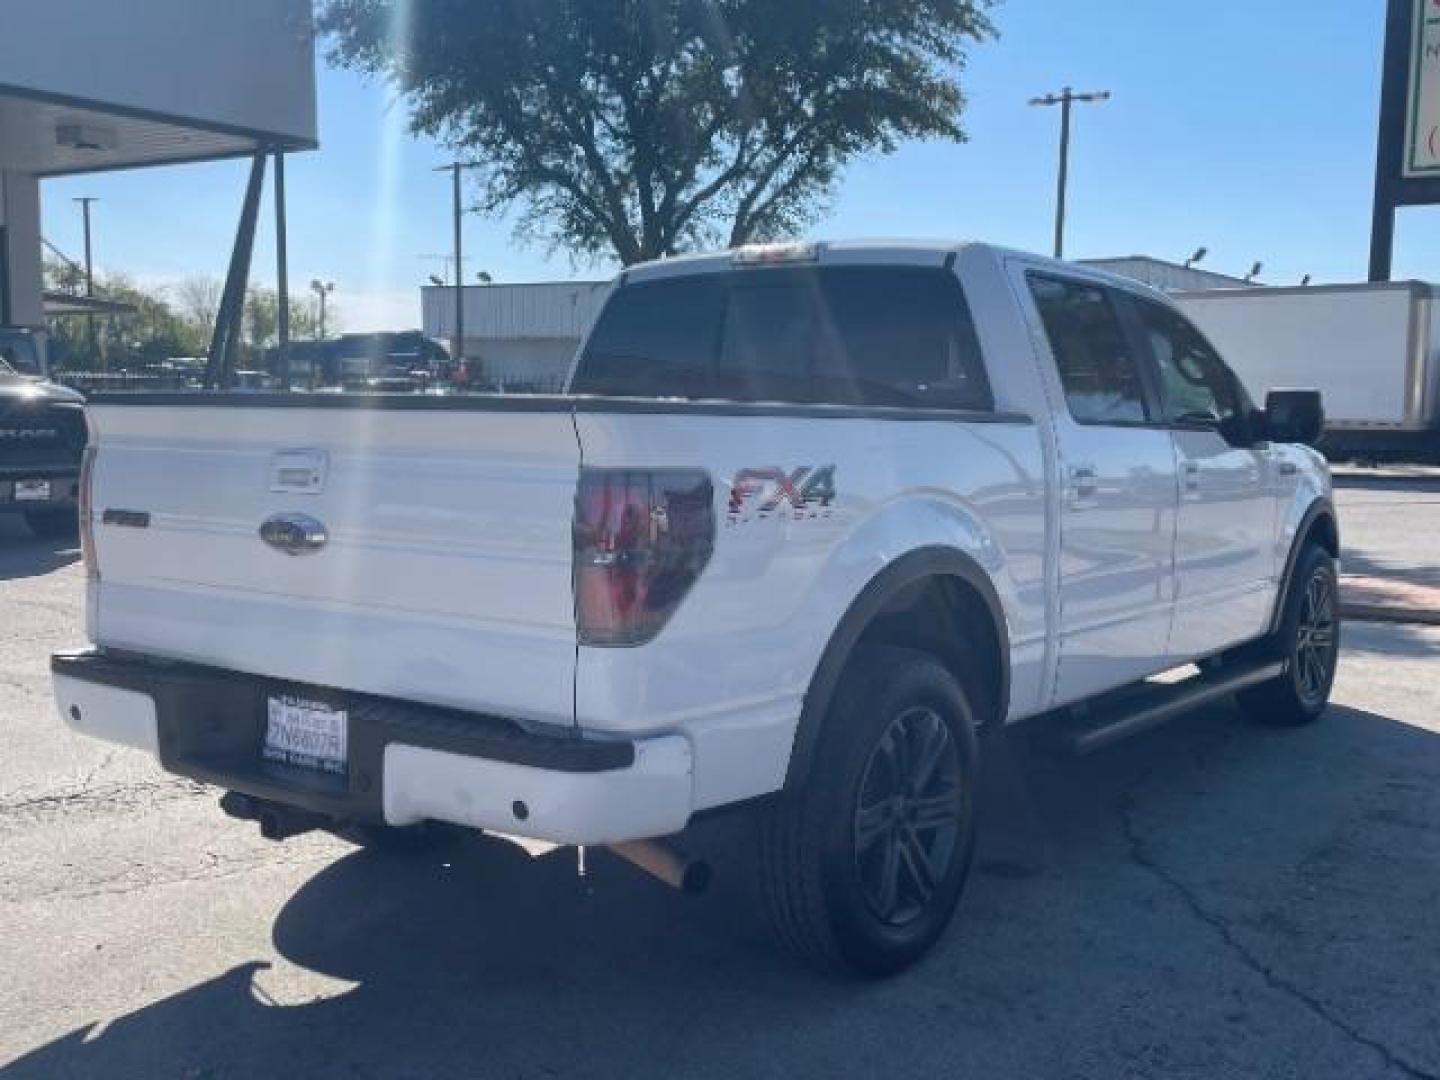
(809, 491)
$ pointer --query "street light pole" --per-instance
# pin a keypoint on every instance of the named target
(85, 201)
(1065, 99)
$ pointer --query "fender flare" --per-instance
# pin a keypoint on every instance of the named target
(904, 571)
(1322, 507)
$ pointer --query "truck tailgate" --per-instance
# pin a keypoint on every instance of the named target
(444, 576)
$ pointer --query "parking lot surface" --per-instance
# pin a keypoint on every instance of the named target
(1210, 900)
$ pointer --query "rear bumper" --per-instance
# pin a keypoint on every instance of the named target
(64, 490)
(407, 763)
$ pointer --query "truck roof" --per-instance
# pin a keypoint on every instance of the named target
(904, 252)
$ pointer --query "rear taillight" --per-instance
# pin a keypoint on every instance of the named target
(642, 537)
(87, 523)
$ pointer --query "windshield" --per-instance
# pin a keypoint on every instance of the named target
(18, 357)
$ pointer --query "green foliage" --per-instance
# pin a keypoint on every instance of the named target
(643, 127)
(164, 322)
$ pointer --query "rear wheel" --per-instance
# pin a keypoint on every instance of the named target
(862, 867)
(1308, 640)
(53, 524)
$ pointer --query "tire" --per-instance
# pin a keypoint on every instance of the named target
(53, 524)
(1308, 640)
(842, 857)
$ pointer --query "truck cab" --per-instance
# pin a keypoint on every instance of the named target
(42, 438)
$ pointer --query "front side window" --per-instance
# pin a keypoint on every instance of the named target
(1195, 385)
(1098, 370)
(867, 336)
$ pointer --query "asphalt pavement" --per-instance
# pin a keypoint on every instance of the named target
(1213, 899)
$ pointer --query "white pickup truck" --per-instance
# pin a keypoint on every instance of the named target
(809, 517)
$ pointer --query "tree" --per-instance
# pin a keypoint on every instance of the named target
(149, 330)
(643, 127)
(198, 299)
(260, 322)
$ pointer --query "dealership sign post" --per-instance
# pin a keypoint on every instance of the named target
(1407, 171)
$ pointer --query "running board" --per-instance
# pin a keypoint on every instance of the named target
(1137, 709)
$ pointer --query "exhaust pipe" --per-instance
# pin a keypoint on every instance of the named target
(276, 822)
(665, 862)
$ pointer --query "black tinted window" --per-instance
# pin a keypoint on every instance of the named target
(1099, 372)
(655, 339)
(853, 336)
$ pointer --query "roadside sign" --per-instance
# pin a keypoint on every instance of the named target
(1422, 147)
(1407, 158)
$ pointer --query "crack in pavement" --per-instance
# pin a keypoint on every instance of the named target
(1140, 855)
(86, 800)
(104, 763)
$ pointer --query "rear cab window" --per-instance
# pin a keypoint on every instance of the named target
(843, 335)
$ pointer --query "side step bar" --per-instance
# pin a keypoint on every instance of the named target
(1132, 711)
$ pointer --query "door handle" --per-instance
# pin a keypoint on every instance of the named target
(1288, 468)
(1192, 476)
(1084, 483)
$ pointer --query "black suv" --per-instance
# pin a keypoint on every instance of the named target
(42, 438)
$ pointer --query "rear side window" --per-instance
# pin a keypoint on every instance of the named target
(897, 336)
(1098, 369)
(655, 339)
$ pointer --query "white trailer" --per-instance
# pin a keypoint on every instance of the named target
(1373, 350)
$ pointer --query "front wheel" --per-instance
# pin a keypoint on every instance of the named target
(1308, 641)
(863, 866)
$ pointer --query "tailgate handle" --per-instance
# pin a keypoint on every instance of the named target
(294, 534)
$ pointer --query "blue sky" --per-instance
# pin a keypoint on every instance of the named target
(1246, 126)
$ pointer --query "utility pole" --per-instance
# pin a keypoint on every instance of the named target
(1065, 99)
(85, 201)
(457, 340)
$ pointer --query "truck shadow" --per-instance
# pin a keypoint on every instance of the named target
(22, 555)
(484, 961)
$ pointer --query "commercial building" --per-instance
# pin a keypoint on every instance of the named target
(517, 337)
(523, 337)
(92, 85)
(1169, 276)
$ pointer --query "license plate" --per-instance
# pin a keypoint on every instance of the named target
(32, 490)
(307, 733)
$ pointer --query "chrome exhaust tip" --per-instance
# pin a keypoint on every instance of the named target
(666, 863)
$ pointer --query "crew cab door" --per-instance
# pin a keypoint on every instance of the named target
(1225, 531)
(1118, 489)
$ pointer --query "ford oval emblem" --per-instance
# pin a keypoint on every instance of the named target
(294, 534)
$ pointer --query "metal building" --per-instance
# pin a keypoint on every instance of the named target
(1169, 276)
(517, 337)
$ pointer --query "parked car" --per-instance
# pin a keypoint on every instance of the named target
(42, 435)
(811, 518)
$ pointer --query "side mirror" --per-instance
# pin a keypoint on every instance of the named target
(1294, 416)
